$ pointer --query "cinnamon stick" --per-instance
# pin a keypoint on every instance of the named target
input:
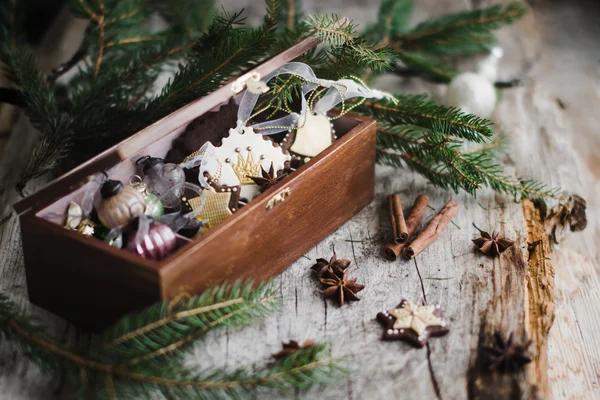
(393, 250)
(432, 231)
(397, 218)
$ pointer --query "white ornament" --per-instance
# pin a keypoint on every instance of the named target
(74, 216)
(240, 155)
(472, 93)
(314, 136)
(488, 68)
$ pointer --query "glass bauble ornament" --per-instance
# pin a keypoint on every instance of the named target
(157, 243)
(472, 93)
(154, 207)
(166, 181)
(119, 204)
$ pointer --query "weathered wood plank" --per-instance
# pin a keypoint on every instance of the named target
(478, 294)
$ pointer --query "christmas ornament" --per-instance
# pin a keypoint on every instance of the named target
(113, 237)
(154, 207)
(86, 227)
(163, 180)
(215, 208)
(152, 240)
(119, 204)
(413, 323)
(507, 356)
(292, 347)
(74, 216)
(242, 154)
(472, 93)
(333, 267)
(268, 178)
(493, 244)
(234, 190)
(313, 136)
(341, 287)
(488, 68)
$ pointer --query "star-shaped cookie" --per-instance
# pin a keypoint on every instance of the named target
(215, 208)
(413, 323)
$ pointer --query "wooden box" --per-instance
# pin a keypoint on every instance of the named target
(93, 284)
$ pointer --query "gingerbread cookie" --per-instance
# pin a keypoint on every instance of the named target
(415, 324)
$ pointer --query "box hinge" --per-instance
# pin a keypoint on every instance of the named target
(250, 81)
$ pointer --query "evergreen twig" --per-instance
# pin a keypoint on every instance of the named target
(106, 105)
(98, 372)
(461, 33)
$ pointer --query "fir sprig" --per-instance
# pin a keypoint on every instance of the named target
(457, 34)
(341, 33)
(426, 66)
(106, 105)
(103, 371)
(165, 328)
(441, 160)
(420, 111)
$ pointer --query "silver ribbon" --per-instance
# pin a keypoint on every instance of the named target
(338, 92)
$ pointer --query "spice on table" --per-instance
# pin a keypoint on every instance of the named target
(342, 288)
(493, 244)
(507, 356)
(399, 228)
(327, 269)
(393, 250)
(292, 347)
(432, 231)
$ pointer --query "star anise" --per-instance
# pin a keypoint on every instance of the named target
(507, 356)
(292, 347)
(325, 268)
(341, 287)
(269, 178)
(493, 244)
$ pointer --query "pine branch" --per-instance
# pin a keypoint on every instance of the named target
(461, 33)
(63, 68)
(442, 162)
(429, 171)
(188, 18)
(162, 330)
(227, 56)
(291, 15)
(88, 373)
(496, 146)
(418, 110)
(341, 33)
(392, 20)
(426, 66)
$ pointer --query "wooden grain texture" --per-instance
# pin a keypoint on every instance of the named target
(555, 141)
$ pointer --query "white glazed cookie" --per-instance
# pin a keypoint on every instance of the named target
(314, 136)
(242, 154)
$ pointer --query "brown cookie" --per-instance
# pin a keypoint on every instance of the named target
(415, 324)
(211, 127)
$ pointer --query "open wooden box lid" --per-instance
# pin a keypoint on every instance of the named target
(77, 177)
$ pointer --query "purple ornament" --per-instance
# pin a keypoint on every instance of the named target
(158, 243)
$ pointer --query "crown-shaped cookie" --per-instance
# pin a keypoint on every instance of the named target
(245, 168)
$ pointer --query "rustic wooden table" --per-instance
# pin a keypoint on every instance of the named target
(549, 294)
